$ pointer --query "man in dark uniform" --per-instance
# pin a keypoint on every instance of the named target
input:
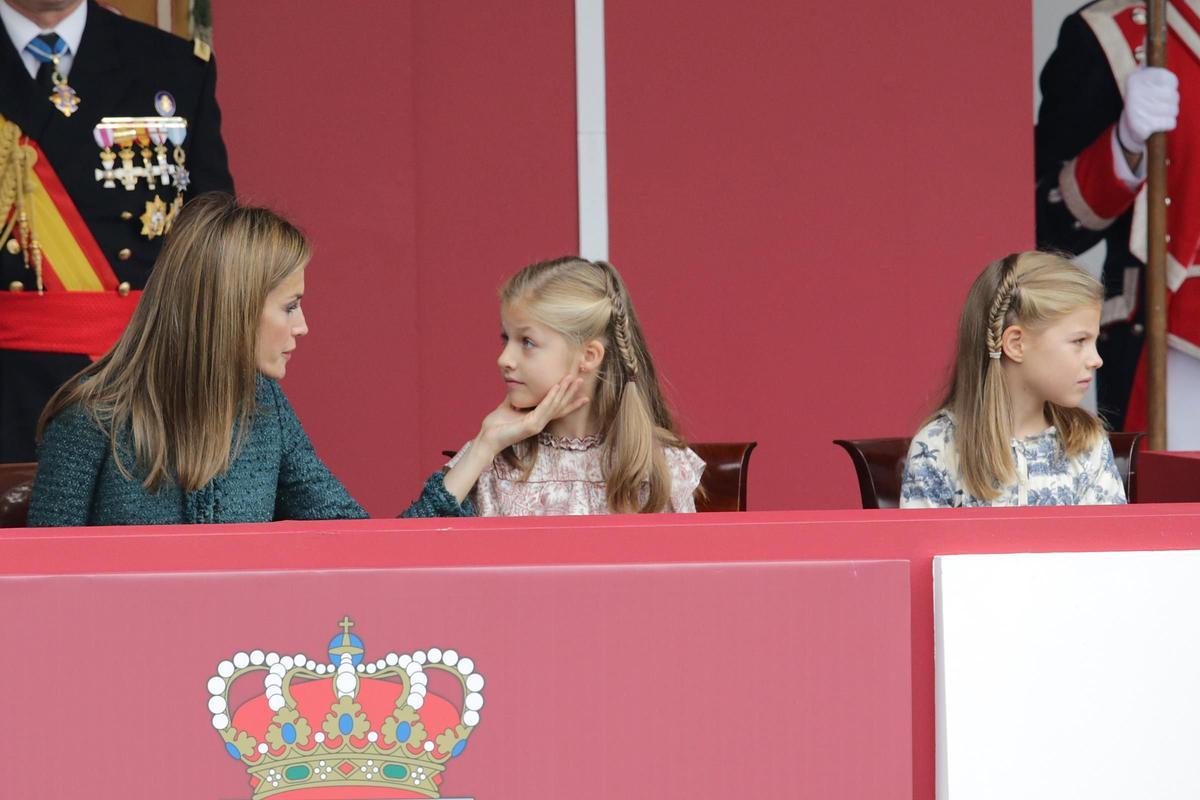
(1099, 107)
(65, 65)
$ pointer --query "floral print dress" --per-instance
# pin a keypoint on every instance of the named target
(568, 479)
(1045, 476)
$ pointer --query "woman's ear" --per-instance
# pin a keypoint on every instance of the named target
(1013, 342)
(592, 356)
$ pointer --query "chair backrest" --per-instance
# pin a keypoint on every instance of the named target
(879, 465)
(16, 487)
(1125, 448)
(726, 472)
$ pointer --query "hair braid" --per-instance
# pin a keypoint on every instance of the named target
(622, 336)
(1006, 293)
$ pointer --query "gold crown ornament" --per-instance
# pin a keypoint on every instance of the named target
(356, 728)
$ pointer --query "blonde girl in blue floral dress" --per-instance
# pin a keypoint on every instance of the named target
(1010, 431)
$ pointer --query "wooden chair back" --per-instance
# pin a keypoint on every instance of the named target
(879, 466)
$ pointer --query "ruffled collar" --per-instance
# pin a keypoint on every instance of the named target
(570, 442)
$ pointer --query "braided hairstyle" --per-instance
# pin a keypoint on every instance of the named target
(585, 300)
(997, 319)
(1030, 289)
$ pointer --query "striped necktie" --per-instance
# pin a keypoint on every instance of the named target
(47, 48)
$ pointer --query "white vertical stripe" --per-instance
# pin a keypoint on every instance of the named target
(592, 129)
(165, 20)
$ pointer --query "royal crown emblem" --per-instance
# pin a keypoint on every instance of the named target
(350, 728)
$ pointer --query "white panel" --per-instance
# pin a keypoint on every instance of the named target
(1068, 675)
(1183, 388)
(592, 129)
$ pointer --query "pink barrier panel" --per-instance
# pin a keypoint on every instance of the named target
(784, 679)
(913, 536)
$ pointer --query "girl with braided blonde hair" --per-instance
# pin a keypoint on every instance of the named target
(584, 428)
(1010, 430)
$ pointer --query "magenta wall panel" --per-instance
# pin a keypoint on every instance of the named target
(800, 195)
(428, 149)
(788, 679)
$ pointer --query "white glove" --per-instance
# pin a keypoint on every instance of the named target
(1151, 106)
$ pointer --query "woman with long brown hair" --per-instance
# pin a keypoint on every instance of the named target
(183, 420)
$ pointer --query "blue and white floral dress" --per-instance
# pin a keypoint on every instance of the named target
(1045, 476)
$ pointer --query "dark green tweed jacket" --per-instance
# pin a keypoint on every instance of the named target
(277, 475)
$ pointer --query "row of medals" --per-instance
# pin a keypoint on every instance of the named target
(126, 133)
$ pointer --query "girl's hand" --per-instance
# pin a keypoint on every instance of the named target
(506, 425)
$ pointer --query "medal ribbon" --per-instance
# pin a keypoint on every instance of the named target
(48, 49)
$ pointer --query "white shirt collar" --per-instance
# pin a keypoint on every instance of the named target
(71, 28)
(21, 30)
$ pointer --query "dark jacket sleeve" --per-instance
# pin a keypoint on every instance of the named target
(207, 159)
(436, 501)
(1080, 102)
(71, 454)
(307, 489)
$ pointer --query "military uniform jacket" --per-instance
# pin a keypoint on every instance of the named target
(1081, 200)
(1081, 101)
(118, 69)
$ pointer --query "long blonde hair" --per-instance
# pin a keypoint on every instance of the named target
(182, 376)
(585, 300)
(1031, 289)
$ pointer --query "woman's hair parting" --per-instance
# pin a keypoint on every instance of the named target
(1031, 289)
(183, 374)
(585, 300)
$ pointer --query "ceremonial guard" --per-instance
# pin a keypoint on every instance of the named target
(1100, 105)
(106, 126)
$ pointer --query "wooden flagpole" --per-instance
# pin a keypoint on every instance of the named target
(1156, 246)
